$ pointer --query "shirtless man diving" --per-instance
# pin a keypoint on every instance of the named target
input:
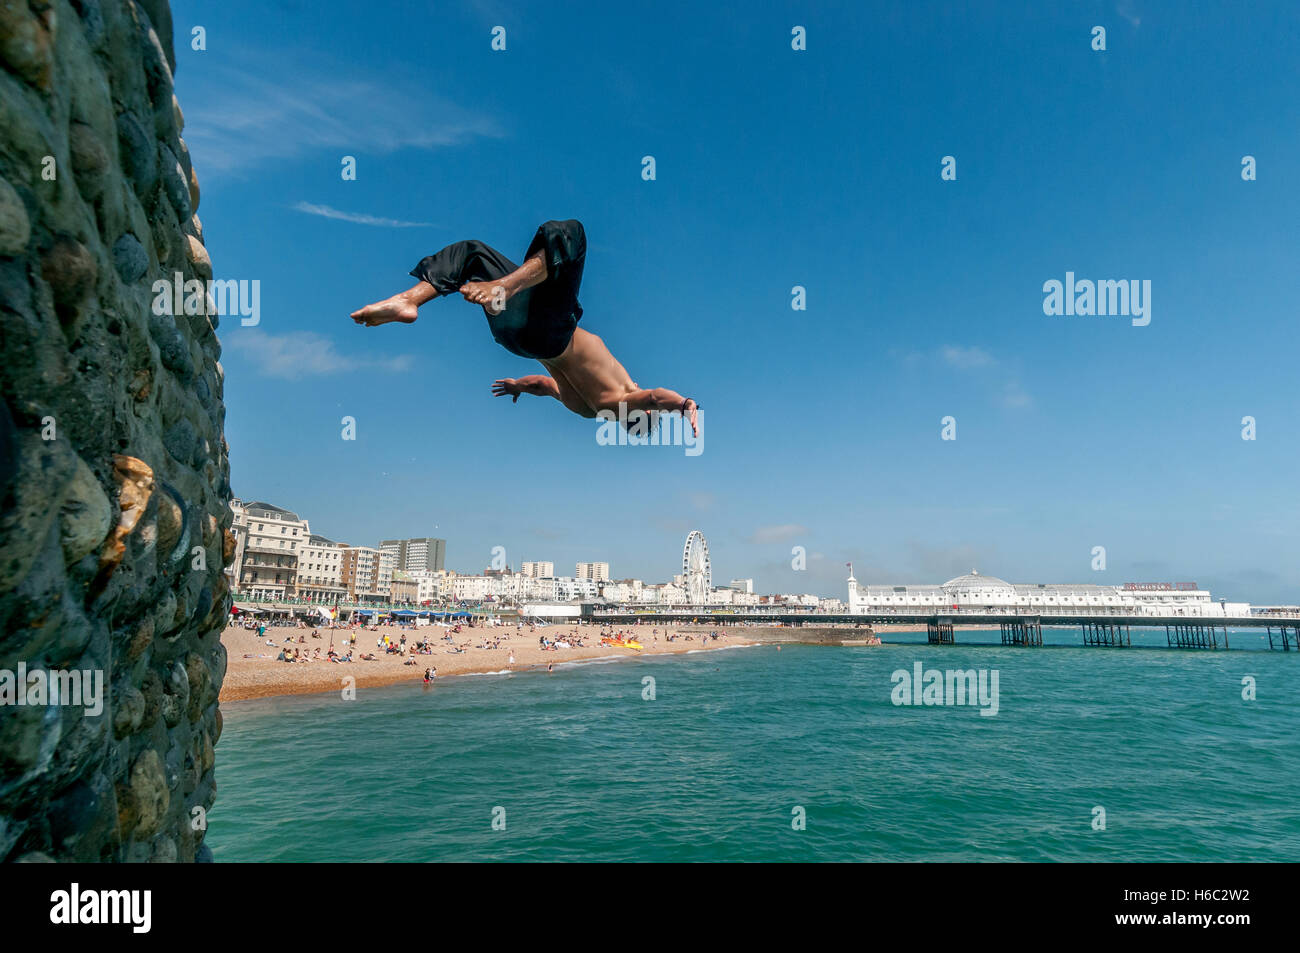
(533, 311)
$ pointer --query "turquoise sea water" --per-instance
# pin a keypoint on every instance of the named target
(582, 767)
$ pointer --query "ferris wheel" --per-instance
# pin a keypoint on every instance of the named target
(696, 572)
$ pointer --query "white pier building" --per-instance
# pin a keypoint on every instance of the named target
(974, 592)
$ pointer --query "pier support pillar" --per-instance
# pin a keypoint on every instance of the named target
(1022, 632)
(1286, 637)
(1108, 634)
(1187, 635)
(939, 631)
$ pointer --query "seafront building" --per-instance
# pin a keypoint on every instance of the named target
(367, 573)
(599, 572)
(357, 571)
(667, 594)
(514, 588)
(432, 585)
(423, 553)
(538, 570)
(320, 570)
(476, 588)
(623, 590)
(267, 541)
(568, 589)
(403, 590)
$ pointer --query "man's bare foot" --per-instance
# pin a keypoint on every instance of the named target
(492, 295)
(396, 308)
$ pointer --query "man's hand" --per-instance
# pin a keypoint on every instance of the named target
(507, 386)
(691, 411)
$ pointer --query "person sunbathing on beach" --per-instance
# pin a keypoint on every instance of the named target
(533, 311)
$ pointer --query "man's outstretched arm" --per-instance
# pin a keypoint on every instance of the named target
(663, 399)
(536, 384)
(543, 386)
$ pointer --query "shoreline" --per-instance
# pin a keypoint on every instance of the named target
(252, 671)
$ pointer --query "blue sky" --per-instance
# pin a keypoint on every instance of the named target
(775, 168)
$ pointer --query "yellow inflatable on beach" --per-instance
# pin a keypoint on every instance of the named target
(621, 643)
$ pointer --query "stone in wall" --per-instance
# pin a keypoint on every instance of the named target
(114, 477)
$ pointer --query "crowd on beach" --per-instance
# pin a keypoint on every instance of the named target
(409, 641)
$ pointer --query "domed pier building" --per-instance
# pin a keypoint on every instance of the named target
(977, 592)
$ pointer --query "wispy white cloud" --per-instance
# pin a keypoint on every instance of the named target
(1011, 394)
(966, 357)
(1014, 396)
(239, 118)
(298, 354)
(782, 533)
(360, 218)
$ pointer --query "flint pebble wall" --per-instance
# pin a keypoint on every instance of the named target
(114, 474)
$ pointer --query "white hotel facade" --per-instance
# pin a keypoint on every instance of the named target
(975, 592)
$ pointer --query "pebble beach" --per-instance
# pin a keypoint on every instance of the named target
(252, 670)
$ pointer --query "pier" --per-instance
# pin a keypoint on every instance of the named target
(1104, 615)
(1099, 629)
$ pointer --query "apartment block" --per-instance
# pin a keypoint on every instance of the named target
(420, 554)
(598, 572)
